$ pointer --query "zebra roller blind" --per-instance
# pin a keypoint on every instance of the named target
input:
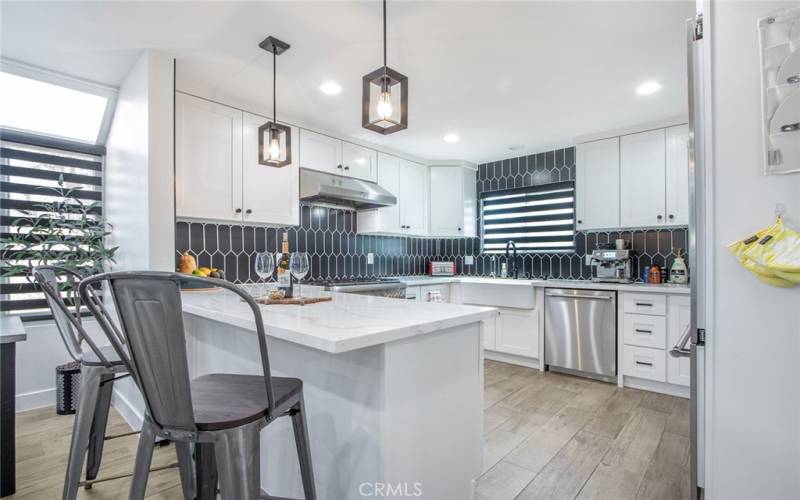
(29, 172)
(538, 218)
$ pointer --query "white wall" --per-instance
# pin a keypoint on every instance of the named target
(139, 177)
(755, 342)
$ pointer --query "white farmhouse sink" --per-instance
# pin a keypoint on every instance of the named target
(518, 294)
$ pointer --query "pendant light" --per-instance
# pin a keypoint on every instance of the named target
(384, 107)
(274, 139)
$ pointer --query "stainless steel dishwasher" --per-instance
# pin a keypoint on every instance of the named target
(580, 332)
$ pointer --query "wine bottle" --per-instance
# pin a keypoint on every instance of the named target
(284, 274)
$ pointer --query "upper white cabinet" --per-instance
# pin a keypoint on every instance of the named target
(208, 159)
(269, 195)
(453, 200)
(217, 174)
(597, 184)
(320, 152)
(328, 154)
(358, 161)
(677, 174)
(643, 179)
(635, 180)
(408, 181)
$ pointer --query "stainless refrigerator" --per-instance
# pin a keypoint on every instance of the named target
(692, 344)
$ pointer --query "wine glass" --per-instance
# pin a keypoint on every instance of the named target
(265, 265)
(298, 265)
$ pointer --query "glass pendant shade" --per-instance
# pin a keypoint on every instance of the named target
(385, 101)
(274, 145)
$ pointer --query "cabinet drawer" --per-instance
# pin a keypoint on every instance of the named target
(646, 303)
(643, 362)
(645, 330)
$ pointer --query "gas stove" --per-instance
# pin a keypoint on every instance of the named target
(381, 287)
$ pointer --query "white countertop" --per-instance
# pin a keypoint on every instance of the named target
(347, 323)
(11, 329)
(582, 284)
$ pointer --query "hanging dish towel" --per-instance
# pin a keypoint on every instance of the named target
(742, 248)
(781, 254)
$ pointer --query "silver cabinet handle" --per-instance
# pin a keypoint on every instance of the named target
(639, 330)
(643, 304)
(679, 350)
(644, 363)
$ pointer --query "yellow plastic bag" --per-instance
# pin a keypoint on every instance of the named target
(782, 255)
(741, 248)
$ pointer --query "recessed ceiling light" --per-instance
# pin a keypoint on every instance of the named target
(451, 138)
(330, 88)
(648, 88)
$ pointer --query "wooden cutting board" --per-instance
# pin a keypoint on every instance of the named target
(296, 301)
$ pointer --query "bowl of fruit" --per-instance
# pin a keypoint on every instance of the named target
(187, 264)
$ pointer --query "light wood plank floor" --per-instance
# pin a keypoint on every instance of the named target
(545, 436)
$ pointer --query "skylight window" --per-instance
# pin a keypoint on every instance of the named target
(41, 104)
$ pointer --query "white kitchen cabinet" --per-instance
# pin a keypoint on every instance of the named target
(677, 175)
(517, 332)
(643, 179)
(646, 363)
(328, 154)
(208, 159)
(320, 152)
(678, 320)
(453, 200)
(490, 333)
(413, 198)
(359, 162)
(597, 185)
(269, 195)
(408, 181)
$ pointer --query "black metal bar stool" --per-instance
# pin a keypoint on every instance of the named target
(100, 367)
(224, 409)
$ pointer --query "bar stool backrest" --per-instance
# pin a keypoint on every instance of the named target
(151, 321)
(67, 322)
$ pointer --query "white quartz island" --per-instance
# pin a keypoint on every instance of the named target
(393, 389)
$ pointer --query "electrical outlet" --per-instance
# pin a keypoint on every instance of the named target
(588, 259)
(370, 258)
(469, 260)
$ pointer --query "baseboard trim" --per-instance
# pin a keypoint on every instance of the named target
(35, 399)
(653, 386)
(127, 411)
(512, 359)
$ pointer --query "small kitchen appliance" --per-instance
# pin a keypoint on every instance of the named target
(612, 266)
(441, 268)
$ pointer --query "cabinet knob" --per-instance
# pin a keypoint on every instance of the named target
(346, 167)
(671, 216)
(459, 229)
(238, 210)
(580, 222)
(248, 211)
(338, 166)
(659, 217)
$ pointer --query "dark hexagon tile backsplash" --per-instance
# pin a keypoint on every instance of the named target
(336, 251)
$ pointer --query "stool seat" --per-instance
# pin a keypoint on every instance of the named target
(223, 401)
(91, 358)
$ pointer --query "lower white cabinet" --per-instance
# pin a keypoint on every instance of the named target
(490, 333)
(646, 363)
(679, 313)
(517, 332)
(651, 325)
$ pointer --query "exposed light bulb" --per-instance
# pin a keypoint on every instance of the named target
(274, 149)
(384, 108)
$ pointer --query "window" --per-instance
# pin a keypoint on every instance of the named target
(53, 105)
(538, 218)
(29, 166)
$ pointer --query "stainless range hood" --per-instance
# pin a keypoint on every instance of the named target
(338, 190)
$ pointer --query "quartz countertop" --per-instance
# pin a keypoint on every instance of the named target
(11, 329)
(550, 283)
(348, 322)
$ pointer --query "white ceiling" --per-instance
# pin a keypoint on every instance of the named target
(534, 74)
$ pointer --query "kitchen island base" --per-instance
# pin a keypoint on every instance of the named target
(399, 418)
